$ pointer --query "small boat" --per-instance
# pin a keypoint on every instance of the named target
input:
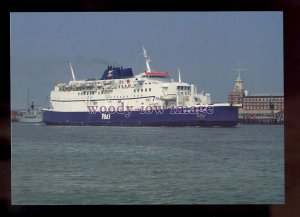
(31, 115)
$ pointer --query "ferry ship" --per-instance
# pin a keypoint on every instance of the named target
(150, 98)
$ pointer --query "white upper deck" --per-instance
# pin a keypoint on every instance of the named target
(144, 89)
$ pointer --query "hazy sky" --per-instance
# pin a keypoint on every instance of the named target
(205, 45)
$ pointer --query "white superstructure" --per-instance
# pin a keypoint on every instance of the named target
(148, 88)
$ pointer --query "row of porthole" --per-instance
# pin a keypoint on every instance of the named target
(138, 90)
(263, 107)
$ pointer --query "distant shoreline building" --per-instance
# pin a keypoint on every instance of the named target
(237, 95)
(255, 105)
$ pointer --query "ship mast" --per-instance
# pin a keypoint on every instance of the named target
(179, 77)
(27, 98)
(74, 79)
(147, 60)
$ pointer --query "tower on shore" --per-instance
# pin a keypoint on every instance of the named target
(236, 96)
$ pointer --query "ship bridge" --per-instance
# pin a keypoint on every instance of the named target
(157, 74)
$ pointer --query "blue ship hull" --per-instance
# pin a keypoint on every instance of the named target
(222, 116)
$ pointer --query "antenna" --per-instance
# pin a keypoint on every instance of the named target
(74, 79)
(147, 59)
(239, 72)
(179, 77)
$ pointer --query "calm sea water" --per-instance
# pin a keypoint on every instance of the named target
(147, 165)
